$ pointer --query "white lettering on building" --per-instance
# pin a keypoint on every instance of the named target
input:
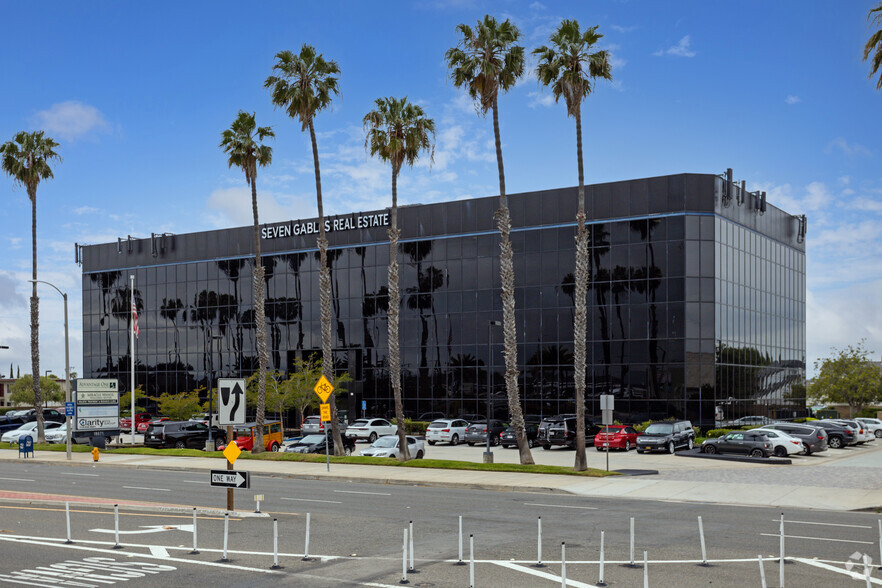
(339, 223)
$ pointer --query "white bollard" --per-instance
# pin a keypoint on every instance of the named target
(781, 562)
(306, 547)
(762, 571)
(563, 564)
(404, 559)
(867, 572)
(645, 572)
(632, 543)
(195, 551)
(226, 534)
(880, 544)
(703, 550)
(471, 561)
(116, 544)
(539, 563)
(275, 565)
(600, 581)
(410, 550)
(67, 517)
(460, 562)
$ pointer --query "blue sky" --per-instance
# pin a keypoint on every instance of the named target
(137, 95)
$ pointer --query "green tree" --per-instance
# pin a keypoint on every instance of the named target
(397, 132)
(874, 43)
(848, 377)
(140, 398)
(180, 406)
(278, 393)
(303, 380)
(487, 60)
(26, 160)
(303, 85)
(243, 142)
(22, 390)
(570, 67)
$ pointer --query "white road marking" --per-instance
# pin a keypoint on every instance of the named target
(311, 500)
(559, 506)
(158, 551)
(148, 529)
(844, 572)
(374, 493)
(18, 479)
(143, 488)
(70, 474)
(193, 482)
(539, 574)
(825, 524)
(818, 538)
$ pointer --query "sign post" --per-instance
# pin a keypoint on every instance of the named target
(324, 389)
(607, 401)
(231, 411)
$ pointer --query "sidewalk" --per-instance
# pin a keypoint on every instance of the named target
(759, 493)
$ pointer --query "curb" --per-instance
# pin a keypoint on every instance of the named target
(738, 458)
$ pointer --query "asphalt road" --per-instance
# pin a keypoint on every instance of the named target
(356, 535)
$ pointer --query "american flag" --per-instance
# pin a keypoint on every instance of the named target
(135, 319)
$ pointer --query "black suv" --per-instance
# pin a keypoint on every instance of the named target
(752, 443)
(666, 436)
(838, 435)
(562, 431)
(182, 434)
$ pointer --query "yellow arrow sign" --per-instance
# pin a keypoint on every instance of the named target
(325, 412)
(323, 388)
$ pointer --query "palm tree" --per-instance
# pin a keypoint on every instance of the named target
(397, 131)
(488, 60)
(243, 142)
(874, 43)
(26, 160)
(304, 87)
(570, 67)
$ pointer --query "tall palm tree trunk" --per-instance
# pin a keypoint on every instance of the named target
(325, 296)
(259, 323)
(394, 311)
(506, 267)
(581, 313)
(35, 322)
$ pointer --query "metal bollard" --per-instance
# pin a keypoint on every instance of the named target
(632, 564)
(880, 544)
(703, 550)
(762, 572)
(116, 544)
(275, 565)
(226, 535)
(539, 563)
(67, 517)
(195, 551)
(459, 561)
(306, 547)
(471, 561)
(645, 571)
(781, 562)
(404, 560)
(410, 539)
(600, 581)
(563, 564)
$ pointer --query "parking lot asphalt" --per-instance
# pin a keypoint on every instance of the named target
(846, 479)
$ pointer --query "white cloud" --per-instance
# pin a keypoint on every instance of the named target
(840, 317)
(846, 147)
(231, 207)
(621, 29)
(71, 120)
(681, 49)
(791, 99)
(867, 204)
(85, 210)
(537, 6)
(541, 99)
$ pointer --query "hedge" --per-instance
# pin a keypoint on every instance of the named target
(414, 427)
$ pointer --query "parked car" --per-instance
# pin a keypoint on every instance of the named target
(142, 427)
(27, 429)
(782, 443)
(838, 435)
(874, 425)
(813, 438)
(59, 435)
(183, 434)
(446, 431)
(387, 446)
(313, 425)
(666, 436)
(616, 437)
(370, 429)
(545, 423)
(203, 418)
(563, 432)
(750, 421)
(509, 439)
(125, 423)
(316, 444)
(243, 436)
(863, 433)
(752, 443)
(477, 432)
(472, 418)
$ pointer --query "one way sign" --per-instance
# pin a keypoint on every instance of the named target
(231, 400)
(230, 479)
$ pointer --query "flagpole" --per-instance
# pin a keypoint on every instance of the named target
(132, 340)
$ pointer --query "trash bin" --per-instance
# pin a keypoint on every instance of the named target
(99, 441)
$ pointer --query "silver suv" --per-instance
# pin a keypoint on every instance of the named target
(313, 425)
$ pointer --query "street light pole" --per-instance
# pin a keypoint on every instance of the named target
(66, 360)
(488, 455)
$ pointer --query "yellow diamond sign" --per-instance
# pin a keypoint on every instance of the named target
(323, 388)
(232, 452)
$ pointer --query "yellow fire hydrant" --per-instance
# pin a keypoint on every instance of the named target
(95, 453)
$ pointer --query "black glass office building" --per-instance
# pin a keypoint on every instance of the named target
(696, 306)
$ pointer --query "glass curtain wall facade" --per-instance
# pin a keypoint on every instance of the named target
(696, 309)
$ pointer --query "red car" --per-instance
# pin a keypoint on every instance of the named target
(142, 427)
(617, 436)
(140, 417)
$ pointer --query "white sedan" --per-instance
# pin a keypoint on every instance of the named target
(782, 443)
(388, 447)
(447, 431)
(874, 425)
(370, 429)
(27, 429)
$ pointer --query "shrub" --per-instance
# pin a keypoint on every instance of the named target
(697, 432)
(413, 427)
